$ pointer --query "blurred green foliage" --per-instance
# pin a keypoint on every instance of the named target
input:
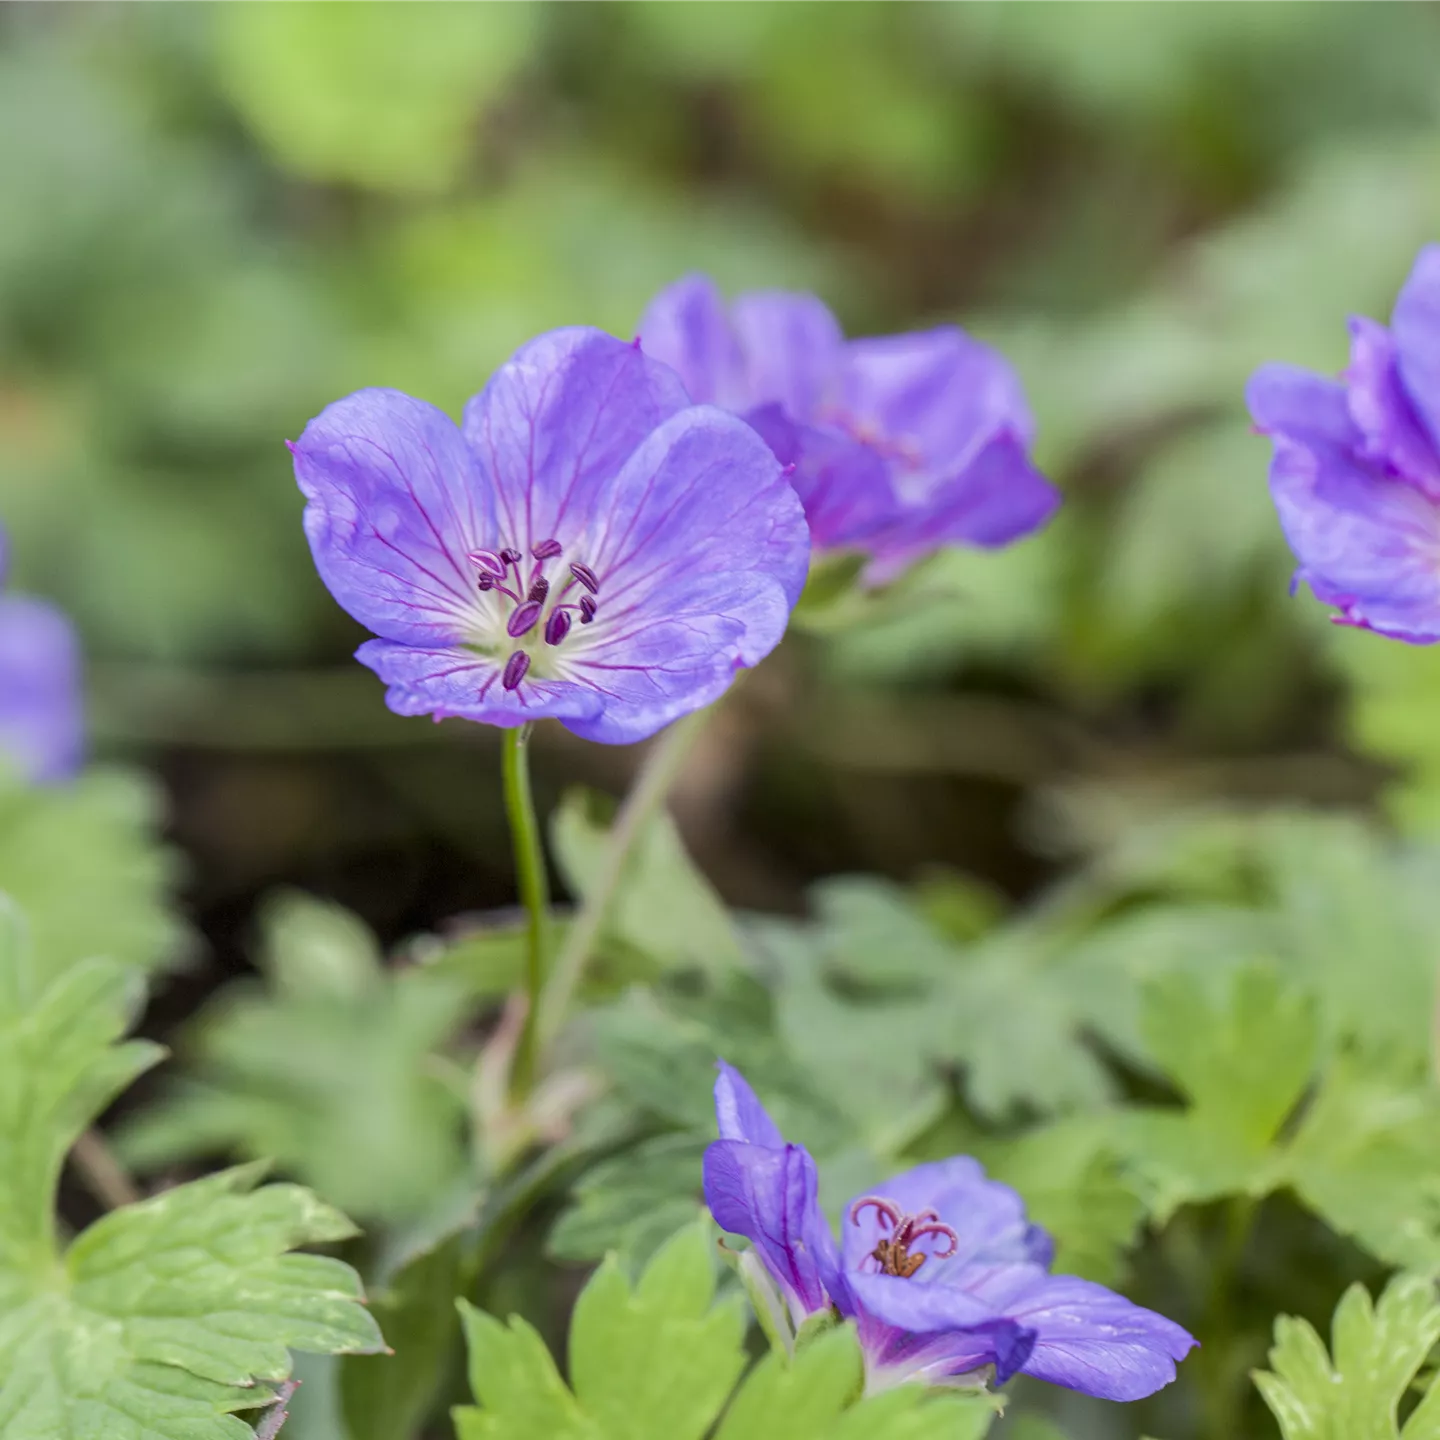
(217, 220)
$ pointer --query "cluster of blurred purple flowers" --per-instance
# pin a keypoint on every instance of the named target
(901, 444)
(1356, 470)
(42, 730)
(946, 1280)
(604, 541)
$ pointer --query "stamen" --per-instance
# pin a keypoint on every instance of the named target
(936, 1227)
(557, 627)
(892, 1252)
(522, 619)
(539, 589)
(489, 562)
(888, 1214)
(515, 668)
(586, 576)
(546, 549)
(511, 556)
(587, 609)
(485, 582)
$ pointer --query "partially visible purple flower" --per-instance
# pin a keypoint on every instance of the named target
(42, 725)
(902, 444)
(945, 1278)
(1356, 468)
(588, 545)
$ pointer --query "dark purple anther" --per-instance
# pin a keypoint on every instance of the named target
(586, 576)
(485, 582)
(515, 668)
(511, 556)
(557, 627)
(546, 549)
(539, 589)
(489, 562)
(523, 619)
(587, 609)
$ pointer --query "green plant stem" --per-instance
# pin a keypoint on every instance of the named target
(534, 892)
(646, 796)
(1227, 1366)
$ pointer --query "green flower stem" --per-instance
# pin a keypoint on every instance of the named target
(646, 796)
(534, 891)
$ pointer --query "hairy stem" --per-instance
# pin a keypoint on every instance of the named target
(104, 1176)
(534, 892)
(646, 796)
(278, 1413)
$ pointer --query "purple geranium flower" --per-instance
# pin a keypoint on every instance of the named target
(587, 545)
(1356, 469)
(901, 444)
(42, 727)
(943, 1275)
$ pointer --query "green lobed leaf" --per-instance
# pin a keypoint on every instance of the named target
(520, 1391)
(653, 1362)
(1073, 1184)
(1376, 1350)
(663, 906)
(661, 1055)
(869, 1057)
(96, 837)
(332, 1072)
(1364, 1158)
(656, 1363)
(1243, 1067)
(164, 1317)
(631, 1203)
(659, 1361)
(997, 1008)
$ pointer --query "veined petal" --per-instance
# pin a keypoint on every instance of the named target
(921, 1309)
(702, 496)
(1366, 543)
(701, 553)
(394, 505)
(997, 498)
(792, 346)
(1392, 433)
(938, 396)
(988, 1219)
(687, 327)
(457, 682)
(898, 1357)
(1287, 400)
(657, 667)
(555, 426)
(42, 728)
(739, 1113)
(843, 484)
(1416, 327)
(1088, 1338)
(768, 1195)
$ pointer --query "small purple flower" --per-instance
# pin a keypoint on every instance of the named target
(42, 725)
(1356, 468)
(901, 444)
(588, 545)
(943, 1275)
